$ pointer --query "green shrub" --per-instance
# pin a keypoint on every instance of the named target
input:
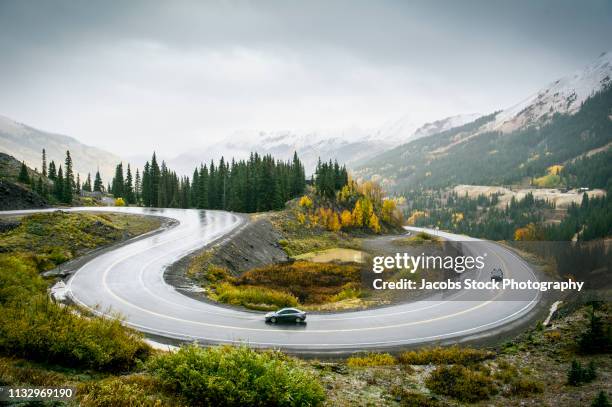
(601, 400)
(18, 278)
(408, 398)
(371, 359)
(461, 383)
(259, 298)
(32, 326)
(216, 274)
(15, 372)
(448, 355)
(577, 374)
(597, 338)
(39, 329)
(122, 392)
(236, 376)
(524, 386)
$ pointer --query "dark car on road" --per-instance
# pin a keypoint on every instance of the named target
(497, 274)
(286, 315)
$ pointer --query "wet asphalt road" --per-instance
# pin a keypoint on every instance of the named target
(128, 281)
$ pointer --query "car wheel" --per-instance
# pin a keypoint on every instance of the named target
(273, 320)
(298, 320)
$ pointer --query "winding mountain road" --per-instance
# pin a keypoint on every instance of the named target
(129, 281)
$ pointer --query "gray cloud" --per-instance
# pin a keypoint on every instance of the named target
(132, 76)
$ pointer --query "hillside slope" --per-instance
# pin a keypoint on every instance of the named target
(570, 118)
(14, 195)
(26, 143)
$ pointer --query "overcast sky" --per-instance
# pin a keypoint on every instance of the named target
(169, 75)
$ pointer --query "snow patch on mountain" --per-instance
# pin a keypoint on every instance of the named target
(564, 96)
(429, 129)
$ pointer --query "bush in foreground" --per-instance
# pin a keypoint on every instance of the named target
(34, 327)
(236, 376)
(42, 330)
(461, 383)
(441, 356)
(129, 391)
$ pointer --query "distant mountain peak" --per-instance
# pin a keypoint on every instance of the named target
(565, 96)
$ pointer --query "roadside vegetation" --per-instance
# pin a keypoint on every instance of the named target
(299, 283)
(43, 343)
(543, 366)
(52, 238)
(420, 238)
(237, 376)
(33, 326)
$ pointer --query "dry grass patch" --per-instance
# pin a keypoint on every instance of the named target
(445, 355)
(371, 359)
(310, 283)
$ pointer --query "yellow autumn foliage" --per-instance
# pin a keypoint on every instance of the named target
(554, 169)
(305, 202)
(416, 214)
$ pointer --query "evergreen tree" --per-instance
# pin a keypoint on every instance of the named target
(257, 184)
(98, 185)
(58, 185)
(129, 187)
(23, 177)
(40, 188)
(52, 174)
(155, 179)
(329, 178)
(87, 183)
(597, 337)
(137, 188)
(44, 163)
(69, 184)
(298, 176)
(601, 400)
(118, 184)
(202, 201)
(146, 185)
(78, 184)
(195, 188)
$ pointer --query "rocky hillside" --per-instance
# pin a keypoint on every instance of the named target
(12, 194)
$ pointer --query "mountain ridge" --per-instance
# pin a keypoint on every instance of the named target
(575, 110)
(25, 143)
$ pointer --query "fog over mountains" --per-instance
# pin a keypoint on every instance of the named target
(351, 146)
(357, 148)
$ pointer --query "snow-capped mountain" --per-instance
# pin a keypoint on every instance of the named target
(564, 96)
(439, 126)
(25, 143)
(346, 147)
(579, 105)
(351, 146)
